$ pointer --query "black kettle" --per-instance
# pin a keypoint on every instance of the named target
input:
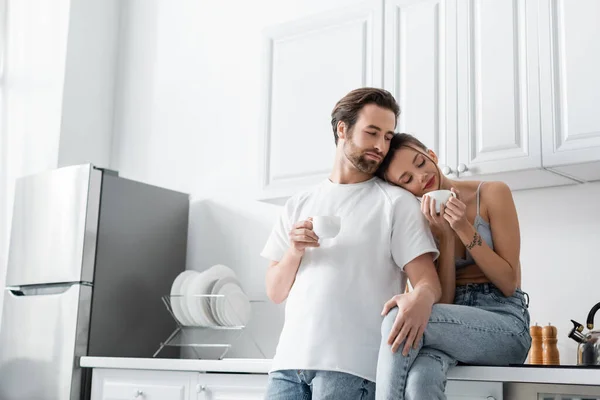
(588, 351)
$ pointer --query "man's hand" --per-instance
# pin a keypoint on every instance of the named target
(414, 309)
(302, 236)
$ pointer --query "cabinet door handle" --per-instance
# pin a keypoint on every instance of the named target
(139, 393)
(200, 388)
(462, 168)
(446, 170)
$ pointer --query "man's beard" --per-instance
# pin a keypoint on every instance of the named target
(357, 157)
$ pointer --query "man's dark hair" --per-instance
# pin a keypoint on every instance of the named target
(348, 108)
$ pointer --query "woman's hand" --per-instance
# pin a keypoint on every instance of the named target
(437, 222)
(455, 212)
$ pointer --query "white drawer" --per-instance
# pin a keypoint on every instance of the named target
(465, 390)
(232, 386)
(114, 384)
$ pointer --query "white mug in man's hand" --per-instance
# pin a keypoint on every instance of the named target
(326, 227)
(440, 197)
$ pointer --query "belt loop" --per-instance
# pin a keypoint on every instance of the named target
(486, 288)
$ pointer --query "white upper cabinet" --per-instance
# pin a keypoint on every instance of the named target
(420, 71)
(499, 89)
(498, 112)
(570, 86)
(309, 65)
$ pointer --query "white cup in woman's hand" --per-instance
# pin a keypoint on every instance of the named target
(440, 197)
(326, 227)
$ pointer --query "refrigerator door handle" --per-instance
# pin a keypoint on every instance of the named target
(42, 290)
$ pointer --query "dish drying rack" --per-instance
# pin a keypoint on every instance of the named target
(209, 339)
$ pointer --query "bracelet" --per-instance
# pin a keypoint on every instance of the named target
(476, 241)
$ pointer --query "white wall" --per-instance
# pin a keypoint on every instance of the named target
(560, 238)
(232, 232)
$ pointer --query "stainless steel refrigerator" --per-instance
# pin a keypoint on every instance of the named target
(90, 256)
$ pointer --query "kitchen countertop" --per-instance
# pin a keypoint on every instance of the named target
(526, 374)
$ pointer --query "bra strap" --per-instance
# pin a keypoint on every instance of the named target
(478, 187)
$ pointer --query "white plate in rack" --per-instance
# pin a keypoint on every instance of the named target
(178, 305)
(217, 304)
(236, 310)
(197, 303)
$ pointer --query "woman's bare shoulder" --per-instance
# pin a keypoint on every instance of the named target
(495, 193)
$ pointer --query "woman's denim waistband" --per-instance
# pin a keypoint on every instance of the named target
(486, 288)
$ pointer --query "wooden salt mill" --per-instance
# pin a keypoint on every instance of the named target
(550, 349)
(536, 355)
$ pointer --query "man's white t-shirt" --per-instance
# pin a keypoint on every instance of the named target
(333, 311)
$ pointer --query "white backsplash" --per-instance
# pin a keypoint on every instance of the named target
(233, 233)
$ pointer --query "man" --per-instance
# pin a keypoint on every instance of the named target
(336, 288)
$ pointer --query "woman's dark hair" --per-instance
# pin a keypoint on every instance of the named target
(348, 108)
(399, 140)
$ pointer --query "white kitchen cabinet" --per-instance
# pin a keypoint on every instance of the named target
(518, 391)
(308, 66)
(570, 86)
(465, 75)
(465, 390)
(232, 387)
(115, 384)
(498, 90)
(420, 71)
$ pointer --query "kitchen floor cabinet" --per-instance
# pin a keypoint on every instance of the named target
(464, 390)
(231, 386)
(114, 384)
(119, 384)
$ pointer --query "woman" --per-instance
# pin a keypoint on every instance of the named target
(478, 236)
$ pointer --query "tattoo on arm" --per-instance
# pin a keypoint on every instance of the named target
(475, 242)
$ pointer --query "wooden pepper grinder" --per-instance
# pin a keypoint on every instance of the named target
(536, 355)
(550, 348)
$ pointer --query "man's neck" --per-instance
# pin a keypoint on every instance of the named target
(344, 172)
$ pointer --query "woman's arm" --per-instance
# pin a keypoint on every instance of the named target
(499, 265)
(440, 228)
(446, 269)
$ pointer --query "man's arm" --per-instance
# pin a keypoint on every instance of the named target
(281, 275)
(414, 308)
